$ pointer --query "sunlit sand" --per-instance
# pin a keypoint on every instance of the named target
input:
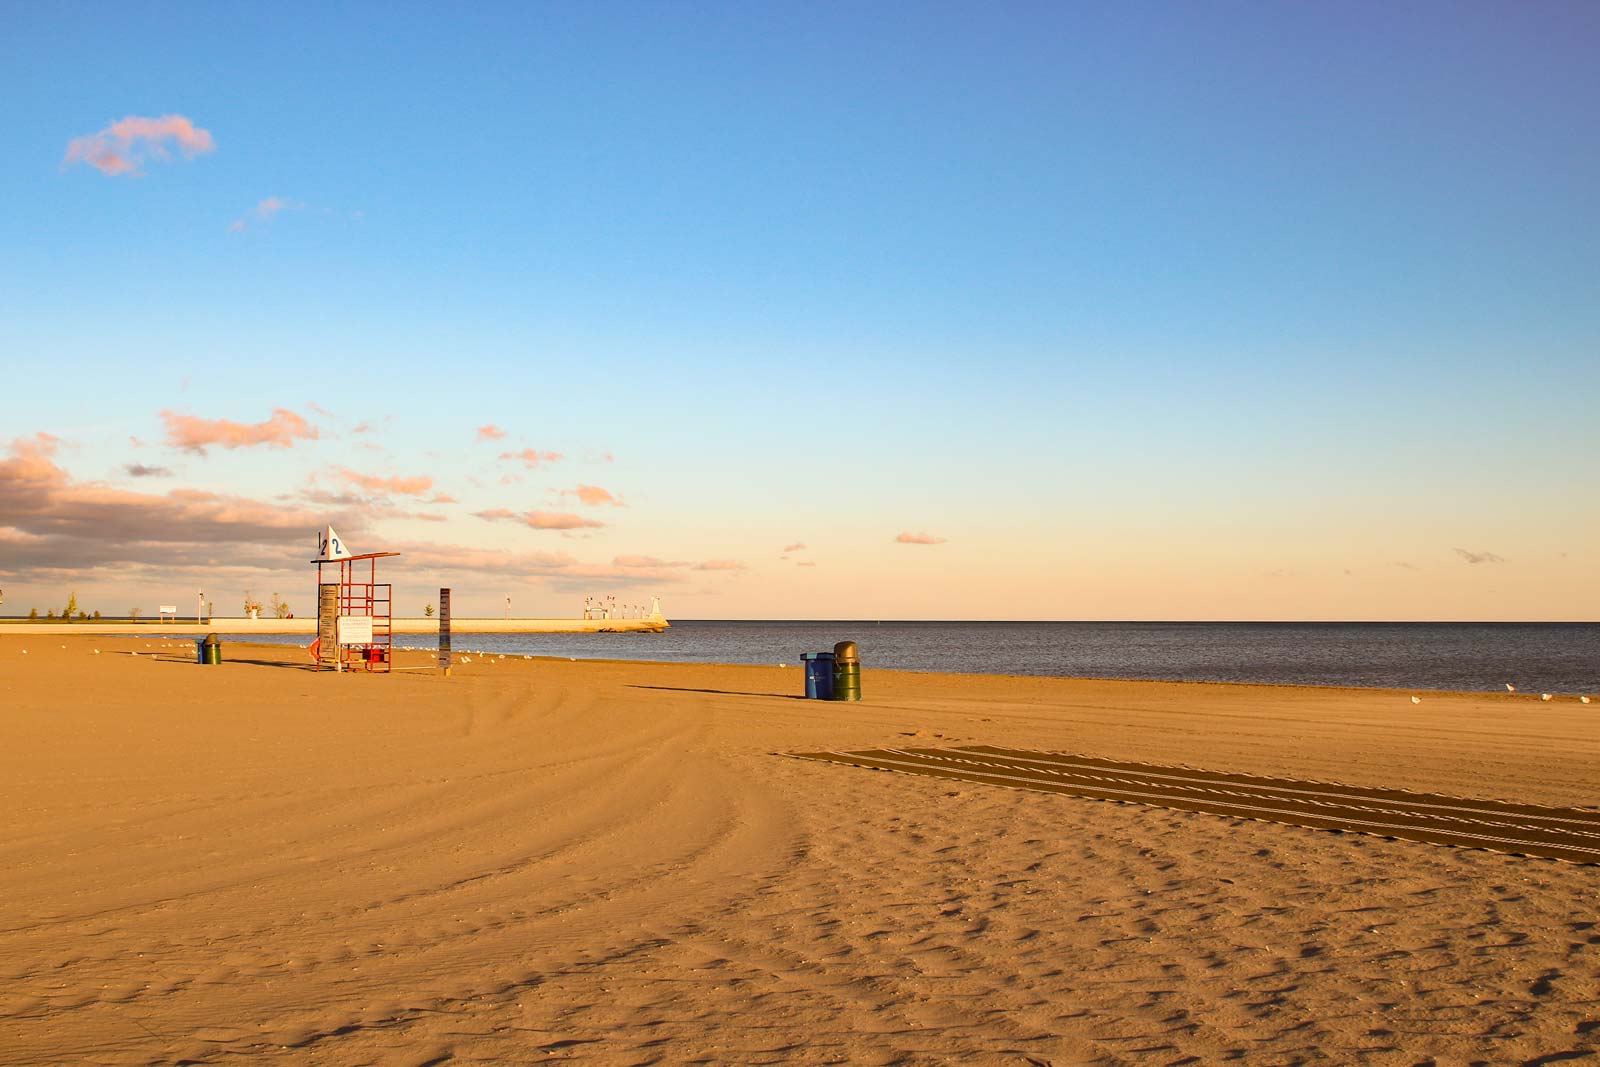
(542, 860)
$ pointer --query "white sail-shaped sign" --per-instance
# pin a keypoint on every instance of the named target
(331, 546)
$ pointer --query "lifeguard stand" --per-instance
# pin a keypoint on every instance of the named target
(354, 616)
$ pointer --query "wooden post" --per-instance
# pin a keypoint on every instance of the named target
(444, 631)
(328, 626)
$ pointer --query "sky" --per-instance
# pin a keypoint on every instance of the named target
(899, 311)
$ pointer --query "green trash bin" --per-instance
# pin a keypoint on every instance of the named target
(846, 671)
(211, 649)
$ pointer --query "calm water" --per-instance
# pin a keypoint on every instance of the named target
(1549, 657)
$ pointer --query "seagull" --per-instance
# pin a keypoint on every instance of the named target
(1584, 699)
(1416, 700)
(1545, 696)
(1510, 688)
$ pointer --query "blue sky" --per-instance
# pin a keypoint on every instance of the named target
(1149, 311)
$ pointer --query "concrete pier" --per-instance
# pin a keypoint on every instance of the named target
(308, 627)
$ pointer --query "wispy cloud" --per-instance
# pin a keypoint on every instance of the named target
(263, 213)
(539, 520)
(906, 538)
(1479, 557)
(648, 562)
(720, 565)
(123, 147)
(373, 483)
(594, 496)
(139, 470)
(192, 434)
(490, 432)
(798, 546)
(532, 457)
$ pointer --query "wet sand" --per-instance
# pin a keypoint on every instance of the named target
(537, 861)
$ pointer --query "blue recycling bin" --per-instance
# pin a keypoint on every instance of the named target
(819, 675)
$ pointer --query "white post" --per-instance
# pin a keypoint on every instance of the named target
(199, 607)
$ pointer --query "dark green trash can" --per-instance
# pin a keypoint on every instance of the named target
(211, 649)
(846, 671)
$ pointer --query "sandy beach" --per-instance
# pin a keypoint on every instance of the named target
(616, 863)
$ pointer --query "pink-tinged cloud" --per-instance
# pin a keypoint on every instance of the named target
(808, 563)
(373, 483)
(595, 496)
(719, 565)
(539, 520)
(550, 520)
(78, 525)
(192, 434)
(532, 457)
(647, 562)
(490, 432)
(918, 539)
(796, 547)
(263, 213)
(442, 498)
(124, 146)
(559, 570)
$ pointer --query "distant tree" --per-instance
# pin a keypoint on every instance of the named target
(97, 614)
(72, 606)
(134, 613)
(251, 603)
(280, 610)
(33, 613)
(50, 613)
(428, 611)
(82, 615)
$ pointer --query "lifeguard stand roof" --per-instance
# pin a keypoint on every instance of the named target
(352, 559)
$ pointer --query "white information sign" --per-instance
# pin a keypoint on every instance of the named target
(330, 545)
(355, 629)
(167, 609)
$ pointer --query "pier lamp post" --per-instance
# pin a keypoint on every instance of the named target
(199, 607)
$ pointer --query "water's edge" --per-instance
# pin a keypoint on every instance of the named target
(1561, 658)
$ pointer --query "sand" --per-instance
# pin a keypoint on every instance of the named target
(610, 863)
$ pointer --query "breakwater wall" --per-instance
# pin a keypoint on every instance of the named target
(308, 627)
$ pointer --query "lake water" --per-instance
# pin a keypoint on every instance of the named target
(1549, 657)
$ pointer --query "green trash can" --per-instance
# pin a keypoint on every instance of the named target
(211, 649)
(846, 671)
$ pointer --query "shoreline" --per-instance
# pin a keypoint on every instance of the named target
(868, 667)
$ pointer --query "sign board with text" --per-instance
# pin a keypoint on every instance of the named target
(355, 629)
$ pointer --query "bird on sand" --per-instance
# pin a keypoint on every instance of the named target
(1416, 700)
(1510, 688)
